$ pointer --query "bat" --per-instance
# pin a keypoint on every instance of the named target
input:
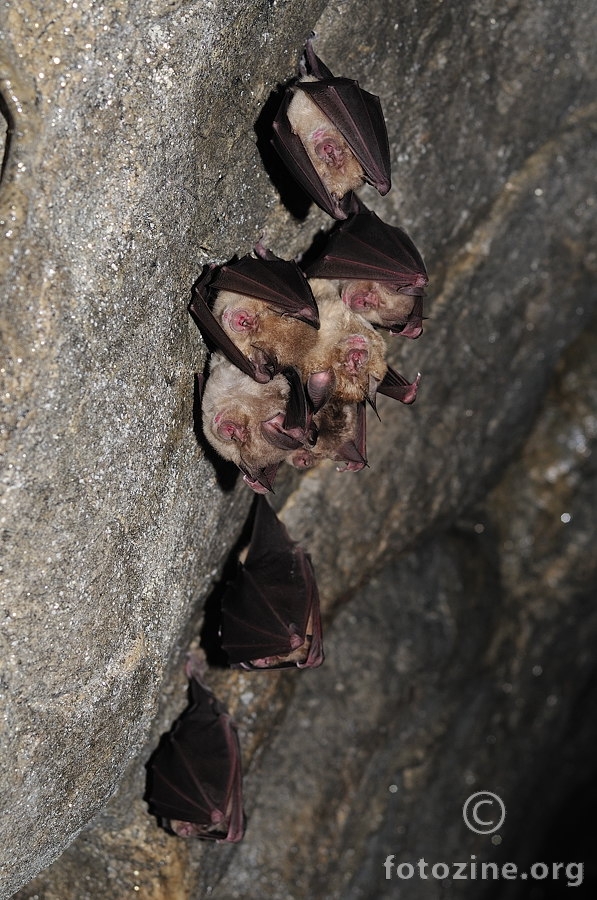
(338, 433)
(332, 136)
(254, 296)
(262, 369)
(348, 359)
(195, 777)
(270, 612)
(251, 424)
(380, 272)
(262, 333)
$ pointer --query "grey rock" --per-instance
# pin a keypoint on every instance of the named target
(134, 161)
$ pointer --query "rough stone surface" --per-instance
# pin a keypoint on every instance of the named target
(133, 161)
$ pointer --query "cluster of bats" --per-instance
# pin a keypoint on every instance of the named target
(298, 354)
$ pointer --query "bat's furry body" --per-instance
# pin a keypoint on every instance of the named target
(330, 154)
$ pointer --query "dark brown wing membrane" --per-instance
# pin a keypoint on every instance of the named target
(368, 249)
(358, 116)
(270, 613)
(278, 282)
(290, 431)
(194, 777)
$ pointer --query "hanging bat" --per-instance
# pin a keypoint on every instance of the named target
(348, 350)
(338, 433)
(255, 299)
(270, 613)
(250, 424)
(380, 272)
(194, 777)
(332, 136)
(266, 308)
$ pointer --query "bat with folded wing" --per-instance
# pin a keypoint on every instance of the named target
(332, 137)
(194, 777)
(270, 612)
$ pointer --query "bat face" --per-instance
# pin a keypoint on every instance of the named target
(259, 331)
(379, 304)
(246, 422)
(194, 777)
(332, 136)
(348, 345)
(270, 613)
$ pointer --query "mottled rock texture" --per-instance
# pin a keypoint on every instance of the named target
(133, 159)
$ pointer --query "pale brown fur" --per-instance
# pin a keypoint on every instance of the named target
(286, 338)
(338, 326)
(342, 172)
(336, 424)
(234, 396)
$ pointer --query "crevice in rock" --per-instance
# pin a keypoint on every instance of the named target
(6, 133)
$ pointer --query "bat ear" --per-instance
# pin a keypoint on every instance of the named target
(296, 407)
(396, 386)
(371, 398)
(266, 364)
(354, 452)
(320, 387)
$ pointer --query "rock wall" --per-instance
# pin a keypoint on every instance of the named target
(133, 159)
